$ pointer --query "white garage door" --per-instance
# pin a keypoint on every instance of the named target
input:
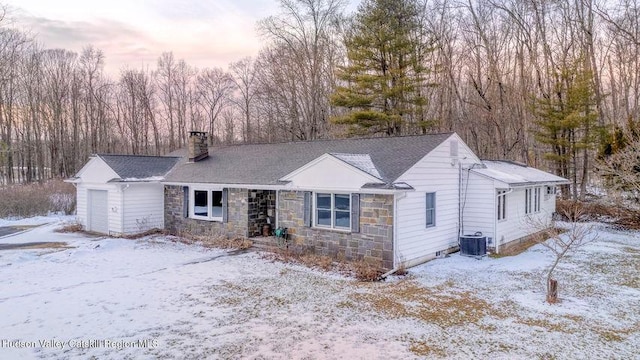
(98, 214)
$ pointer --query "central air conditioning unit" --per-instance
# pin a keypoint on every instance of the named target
(473, 245)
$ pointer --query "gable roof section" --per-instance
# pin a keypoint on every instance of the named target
(139, 167)
(516, 174)
(265, 164)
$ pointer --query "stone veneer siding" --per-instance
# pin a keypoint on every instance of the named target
(176, 223)
(374, 242)
(259, 206)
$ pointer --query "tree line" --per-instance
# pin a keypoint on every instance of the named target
(555, 84)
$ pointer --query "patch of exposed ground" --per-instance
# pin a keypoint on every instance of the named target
(441, 305)
(35, 245)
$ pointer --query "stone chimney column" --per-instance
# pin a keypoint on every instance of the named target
(198, 147)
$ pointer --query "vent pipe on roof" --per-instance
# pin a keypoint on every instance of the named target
(198, 148)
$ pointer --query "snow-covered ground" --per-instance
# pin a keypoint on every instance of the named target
(157, 298)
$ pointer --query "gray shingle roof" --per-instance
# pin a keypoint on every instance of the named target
(138, 167)
(264, 164)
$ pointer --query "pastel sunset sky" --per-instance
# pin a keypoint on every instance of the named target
(135, 32)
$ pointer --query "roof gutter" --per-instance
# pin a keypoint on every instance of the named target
(521, 184)
(289, 188)
(236, 186)
(536, 183)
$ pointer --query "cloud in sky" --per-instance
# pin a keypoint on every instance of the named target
(135, 32)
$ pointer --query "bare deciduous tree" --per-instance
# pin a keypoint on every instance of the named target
(215, 88)
(561, 242)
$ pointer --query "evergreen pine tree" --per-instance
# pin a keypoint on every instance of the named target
(568, 124)
(383, 80)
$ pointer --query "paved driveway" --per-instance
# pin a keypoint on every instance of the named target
(8, 230)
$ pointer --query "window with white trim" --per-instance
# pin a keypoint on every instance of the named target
(333, 211)
(207, 204)
(502, 204)
(536, 199)
(527, 201)
(431, 209)
(549, 192)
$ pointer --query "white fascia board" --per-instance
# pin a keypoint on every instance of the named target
(519, 185)
(287, 188)
(350, 190)
(94, 159)
(219, 185)
(539, 183)
(84, 168)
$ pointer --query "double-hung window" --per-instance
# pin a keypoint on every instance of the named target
(502, 204)
(431, 209)
(207, 205)
(536, 202)
(527, 201)
(550, 191)
(333, 211)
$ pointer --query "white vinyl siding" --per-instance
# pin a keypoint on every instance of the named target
(113, 206)
(330, 173)
(143, 207)
(115, 209)
(81, 204)
(518, 224)
(436, 173)
(479, 203)
(131, 207)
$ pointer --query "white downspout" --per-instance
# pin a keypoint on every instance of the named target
(277, 211)
(460, 225)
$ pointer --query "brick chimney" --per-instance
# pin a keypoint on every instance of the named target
(198, 148)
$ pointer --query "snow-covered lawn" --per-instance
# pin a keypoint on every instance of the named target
(156, 298)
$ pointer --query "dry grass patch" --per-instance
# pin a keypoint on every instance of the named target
(547, 325)
(617, 214)
(221, 242)
(616, 335)
(440, 305)
(143, 234)
(37, 199)
(308, 259)
(423, 349)
(70, 228)
(631, 275)
(49, 245)
(365, 271)
(251, 299)
(359, 269)
(622, 271)
(35, 245)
